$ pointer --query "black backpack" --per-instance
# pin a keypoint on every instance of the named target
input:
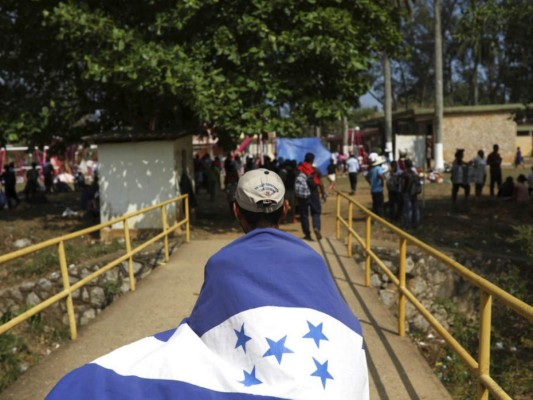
(414, 184)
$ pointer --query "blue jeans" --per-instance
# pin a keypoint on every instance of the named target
(411, 211)
(377, 203)
(311, 204)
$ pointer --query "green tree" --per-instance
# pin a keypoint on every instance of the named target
(234, 66)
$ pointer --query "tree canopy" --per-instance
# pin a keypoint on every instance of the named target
(235, 66)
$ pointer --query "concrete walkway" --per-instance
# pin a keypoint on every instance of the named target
(397, 370)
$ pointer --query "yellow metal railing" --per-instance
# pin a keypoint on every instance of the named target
(480, 367)
(68, 289)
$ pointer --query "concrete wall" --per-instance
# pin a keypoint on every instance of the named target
(414, 145)
(137, 175)
(526, 144)
(479, 131)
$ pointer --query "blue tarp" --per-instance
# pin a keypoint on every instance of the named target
(295, 149)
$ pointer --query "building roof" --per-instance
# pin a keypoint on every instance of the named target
(420, 112)
(525, 128)
(130, 136)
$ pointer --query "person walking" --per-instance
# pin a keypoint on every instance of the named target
(376, 178)
(353, 168)
(479, 175)
(269, 322)
(494, 161)
(10, 185)
(308, 188)
(332, 176)
(519, 158)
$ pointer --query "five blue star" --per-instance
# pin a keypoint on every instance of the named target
(322, 372)
(241, 338)
(277, 348)
(315, 332)
(250, 379)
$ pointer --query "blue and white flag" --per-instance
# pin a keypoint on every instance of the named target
(269, 324)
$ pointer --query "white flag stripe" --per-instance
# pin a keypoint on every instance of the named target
(214, 362)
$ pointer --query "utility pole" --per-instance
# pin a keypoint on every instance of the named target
(439, 107)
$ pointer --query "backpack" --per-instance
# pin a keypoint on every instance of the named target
(414, 184)
(304, 185)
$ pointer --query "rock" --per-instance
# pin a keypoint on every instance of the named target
(375, 281)
(19, 244)
(98, 297)
(111, 275)
(420, 323)
(84, 273)
(85, 294)
(417, 285)
(76, 295)
(125, 287)
(409, 265)
(388, 297)
(27, 286)
(410, 311)
(44, 284)
(32, 299)
(16, 294)
(87, 316)
(54, 276)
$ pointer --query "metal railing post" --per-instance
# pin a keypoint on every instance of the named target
(350, 211)
(165, 229)
(484, 343)
(66, 286)
(338, 219)
(130, 258)
(401, 278)
(368, 259)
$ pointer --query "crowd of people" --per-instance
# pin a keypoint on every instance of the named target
(41, 181)
(465, 173)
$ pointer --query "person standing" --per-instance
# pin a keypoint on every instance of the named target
(308, 189)
(395, 194)
(494, 161)
(10, 185)
(459, 175)
(479, 175)
(353, 168)
(48, 174)
(530, 182)
(410, 182)
(376, 178)
(32, 183)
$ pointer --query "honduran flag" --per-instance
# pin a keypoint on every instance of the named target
(269, 324)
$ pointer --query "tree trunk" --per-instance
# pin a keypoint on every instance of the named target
(345, 147)
(388, 102)
(439, 106)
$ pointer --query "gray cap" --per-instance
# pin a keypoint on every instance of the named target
(260, 191)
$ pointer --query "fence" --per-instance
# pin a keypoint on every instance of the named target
(68, 289)
(480, 367)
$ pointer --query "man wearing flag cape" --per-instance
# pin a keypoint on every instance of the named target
(269, 323)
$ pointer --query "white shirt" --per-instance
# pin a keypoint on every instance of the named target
(352, 164)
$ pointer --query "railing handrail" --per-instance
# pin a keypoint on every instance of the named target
(488, 290)
(59, 241)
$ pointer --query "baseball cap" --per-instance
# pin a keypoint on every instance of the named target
(260, 191)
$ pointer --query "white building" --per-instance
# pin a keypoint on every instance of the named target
(140, 170)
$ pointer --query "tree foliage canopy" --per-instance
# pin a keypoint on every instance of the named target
(234, 66)
(487, 58)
